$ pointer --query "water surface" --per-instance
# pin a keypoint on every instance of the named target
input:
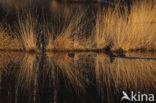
(74, 77)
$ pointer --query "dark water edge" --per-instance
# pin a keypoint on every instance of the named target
(73, 77)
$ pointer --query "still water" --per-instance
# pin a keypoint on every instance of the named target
(74, 77)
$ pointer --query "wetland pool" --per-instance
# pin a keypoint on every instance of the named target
(74, 77)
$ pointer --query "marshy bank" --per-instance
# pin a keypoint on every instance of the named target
(65, 27)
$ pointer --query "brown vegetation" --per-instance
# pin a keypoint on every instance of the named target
(7, 42)
(127, 31)
(114, 30)
(28, 36)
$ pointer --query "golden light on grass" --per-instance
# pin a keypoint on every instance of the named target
(127, 31)
(50, 45)
(139, 32)
(28, 36)
(7, 42)
(63, 41)
(114, 29)
(105, 23)
(68, 32)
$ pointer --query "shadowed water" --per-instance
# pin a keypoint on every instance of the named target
(74, 77)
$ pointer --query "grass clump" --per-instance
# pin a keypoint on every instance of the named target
(112, 28)
(7, 42)
(139, 32)
(28, 36)
(128, 31)
(68, 34)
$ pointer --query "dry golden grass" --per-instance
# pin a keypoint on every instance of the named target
(7, 42)
(128, 31)
(28, 36)
(104, 25)
(139, 32)
(68, 37)
(25, 41)
(62, 42)
(113, 29)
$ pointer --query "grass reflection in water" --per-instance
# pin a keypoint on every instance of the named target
(73, 76)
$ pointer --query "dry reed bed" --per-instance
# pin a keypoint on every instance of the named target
(127, 31)
(113, 30)
(28, 35)
(71, 34)
(25, 37)
(7, 42)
